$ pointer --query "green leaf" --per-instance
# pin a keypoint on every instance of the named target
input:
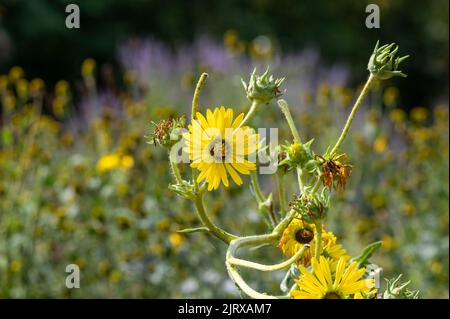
(367, 252)
(193, 230)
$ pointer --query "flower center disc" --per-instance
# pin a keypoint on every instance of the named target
(332, 295)
(218, 149)
(304, 235)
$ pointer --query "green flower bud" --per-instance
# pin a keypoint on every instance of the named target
(298, 154)
(262, 88)
(311, 208)
(383, 64)
(184, 189)
(397, 290)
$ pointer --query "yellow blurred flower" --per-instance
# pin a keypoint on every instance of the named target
(126, 162)
(397, 115)
(36, 86)
(3, 82)
(108, 162)
(16, 266)
(103, 266)
(380, 143)
(22, 88)
(176, 240)
(15, 73)
(113, 161)
(88, 66)
(163, 224)
(390, 95)
(388, 242)
(408, 209)
(115, 276)
(419, 114)
(436, 267)
(9, 102)
(61, 87)
(232, 42)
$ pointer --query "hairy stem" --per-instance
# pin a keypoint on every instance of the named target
(318, 236)
(215, 230)
(287, 114)
(281, 193)
(175, 169)
(350, 118)
(198, 88)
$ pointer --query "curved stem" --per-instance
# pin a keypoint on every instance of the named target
(249, 291)
(216, 231)
(249, 114)
(198, 88)
(255, 183)
(262, 202)
(287, 114)
(350, 118)
(316, 186)
(262, 267)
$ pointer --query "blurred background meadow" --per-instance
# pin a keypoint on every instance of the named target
(80, 184)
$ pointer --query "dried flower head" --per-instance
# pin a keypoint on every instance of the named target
(334, 172)
(167, 132)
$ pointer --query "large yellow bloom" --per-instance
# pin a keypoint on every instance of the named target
(218, 146)
(323, 283)
(299, 233)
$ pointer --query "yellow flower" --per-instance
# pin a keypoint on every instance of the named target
(16, 266)
(419, 114)
(176, 240)
(397, 115)
(115, 276)
(88, 66)
(112, 161)
(379, 145)
(36, 86)
(388, 242)
(126, 162)
(323, 283)
(15, 73)
(62, 87)
(299, 233)
(108, 162)
(3, 82)
(217, 146)
(390, 95)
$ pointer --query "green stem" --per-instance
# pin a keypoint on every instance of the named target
(316, 186)
(249, 114)
(287, 114)
(262, 207)
(363, 93)
(198, 88)
(216, 231)
(262, 267)
(318, 236)
(175, 169)
(281, 193)
(300, 181)
(256, 188)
